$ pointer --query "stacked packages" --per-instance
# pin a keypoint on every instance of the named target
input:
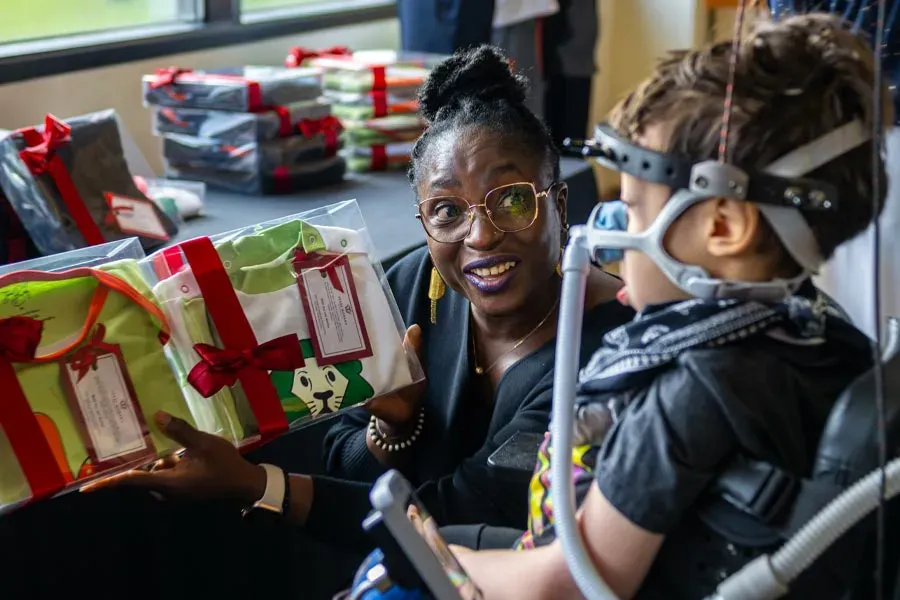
(70, 186)
(251, 130)
(374, 94)
(244, 335)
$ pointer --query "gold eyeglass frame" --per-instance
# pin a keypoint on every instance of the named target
(538, 196)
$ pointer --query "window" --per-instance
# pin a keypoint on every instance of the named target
(37, 37)
(251, 5)
(25, 20)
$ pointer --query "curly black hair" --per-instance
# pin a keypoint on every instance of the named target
(478, 87)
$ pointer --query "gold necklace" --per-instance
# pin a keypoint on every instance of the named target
(481, 371)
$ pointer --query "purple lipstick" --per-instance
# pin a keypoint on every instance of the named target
(493, 274)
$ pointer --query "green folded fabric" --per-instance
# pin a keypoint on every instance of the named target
(113, 427)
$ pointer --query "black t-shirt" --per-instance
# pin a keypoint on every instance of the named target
(760, 398)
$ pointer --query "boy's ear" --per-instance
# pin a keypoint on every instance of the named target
(733, 229)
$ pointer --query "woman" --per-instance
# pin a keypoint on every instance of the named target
(482, 301)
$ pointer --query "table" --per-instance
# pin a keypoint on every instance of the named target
(385, 199)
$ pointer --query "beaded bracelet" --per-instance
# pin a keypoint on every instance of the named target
(393, 444)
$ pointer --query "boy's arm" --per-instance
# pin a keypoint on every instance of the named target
(621, 552)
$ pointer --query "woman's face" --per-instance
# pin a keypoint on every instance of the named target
(498, 272)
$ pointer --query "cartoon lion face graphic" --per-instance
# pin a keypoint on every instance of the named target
(312, 390)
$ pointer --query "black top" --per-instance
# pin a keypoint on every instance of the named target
(449, 465)
(761, 398)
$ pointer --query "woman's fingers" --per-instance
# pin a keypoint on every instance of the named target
(160, 481)
(413, 340)
(181, 431)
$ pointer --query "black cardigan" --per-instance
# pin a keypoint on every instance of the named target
(449, 464)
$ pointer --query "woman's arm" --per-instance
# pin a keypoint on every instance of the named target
(348, 451)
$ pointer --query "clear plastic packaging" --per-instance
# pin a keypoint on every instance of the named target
(283, 180)
(15, 244)
(389, 157)
(83, 368)
(70, 184)
(364, 78)
(238, 128)
(354, 107)
(386, 130)
(186, 198)
(242, 89)
(201, 153)
(283, 322)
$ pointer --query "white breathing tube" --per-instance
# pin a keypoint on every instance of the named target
(576, 265)
(767, 577)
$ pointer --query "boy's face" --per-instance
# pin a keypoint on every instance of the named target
(645, 283)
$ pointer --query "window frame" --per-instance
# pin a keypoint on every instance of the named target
(221, 25)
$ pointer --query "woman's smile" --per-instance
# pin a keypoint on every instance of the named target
(493, 274)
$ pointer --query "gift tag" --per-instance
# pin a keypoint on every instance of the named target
(136, 216)
(333, 312)
(102, 400)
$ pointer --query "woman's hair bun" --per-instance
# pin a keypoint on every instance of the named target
(482, 73)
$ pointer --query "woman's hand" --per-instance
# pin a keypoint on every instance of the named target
(210, 467)
(398, 410)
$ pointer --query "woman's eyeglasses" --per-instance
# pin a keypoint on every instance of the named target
(509, 208)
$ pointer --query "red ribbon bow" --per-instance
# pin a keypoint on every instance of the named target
(85, 357)
(19, 338)
(55, 135)
(330, 127)
(298, 55)
(168, 76)
(220, 368)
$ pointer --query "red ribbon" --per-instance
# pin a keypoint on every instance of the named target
(85, 357)
(379, 103)
(220, 368)
(330, 127)
(168, 76)
(379, 160)
(379, 78)
(231, 323)
(282, 182)
(174, 75)
(19, 339)
(285, 127)
(325, 263)
(40, 157)
(297, 56)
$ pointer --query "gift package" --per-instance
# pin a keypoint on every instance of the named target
(251, 130)
(374, 94)
(282, 322)
(70, 185)
(84, 368)
(245, 335)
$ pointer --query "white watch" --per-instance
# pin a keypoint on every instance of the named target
(276, 487)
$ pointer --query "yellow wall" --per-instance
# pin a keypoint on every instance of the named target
(119, 87)
(634, 35)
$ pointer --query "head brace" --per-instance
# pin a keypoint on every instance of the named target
(780, 191)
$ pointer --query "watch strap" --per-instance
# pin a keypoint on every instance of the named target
(275, 497)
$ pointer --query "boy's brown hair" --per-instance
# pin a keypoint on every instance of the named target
(795, 80)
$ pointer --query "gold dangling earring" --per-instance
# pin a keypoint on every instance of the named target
(436, 289)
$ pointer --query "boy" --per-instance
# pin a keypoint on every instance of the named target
(702, 377)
